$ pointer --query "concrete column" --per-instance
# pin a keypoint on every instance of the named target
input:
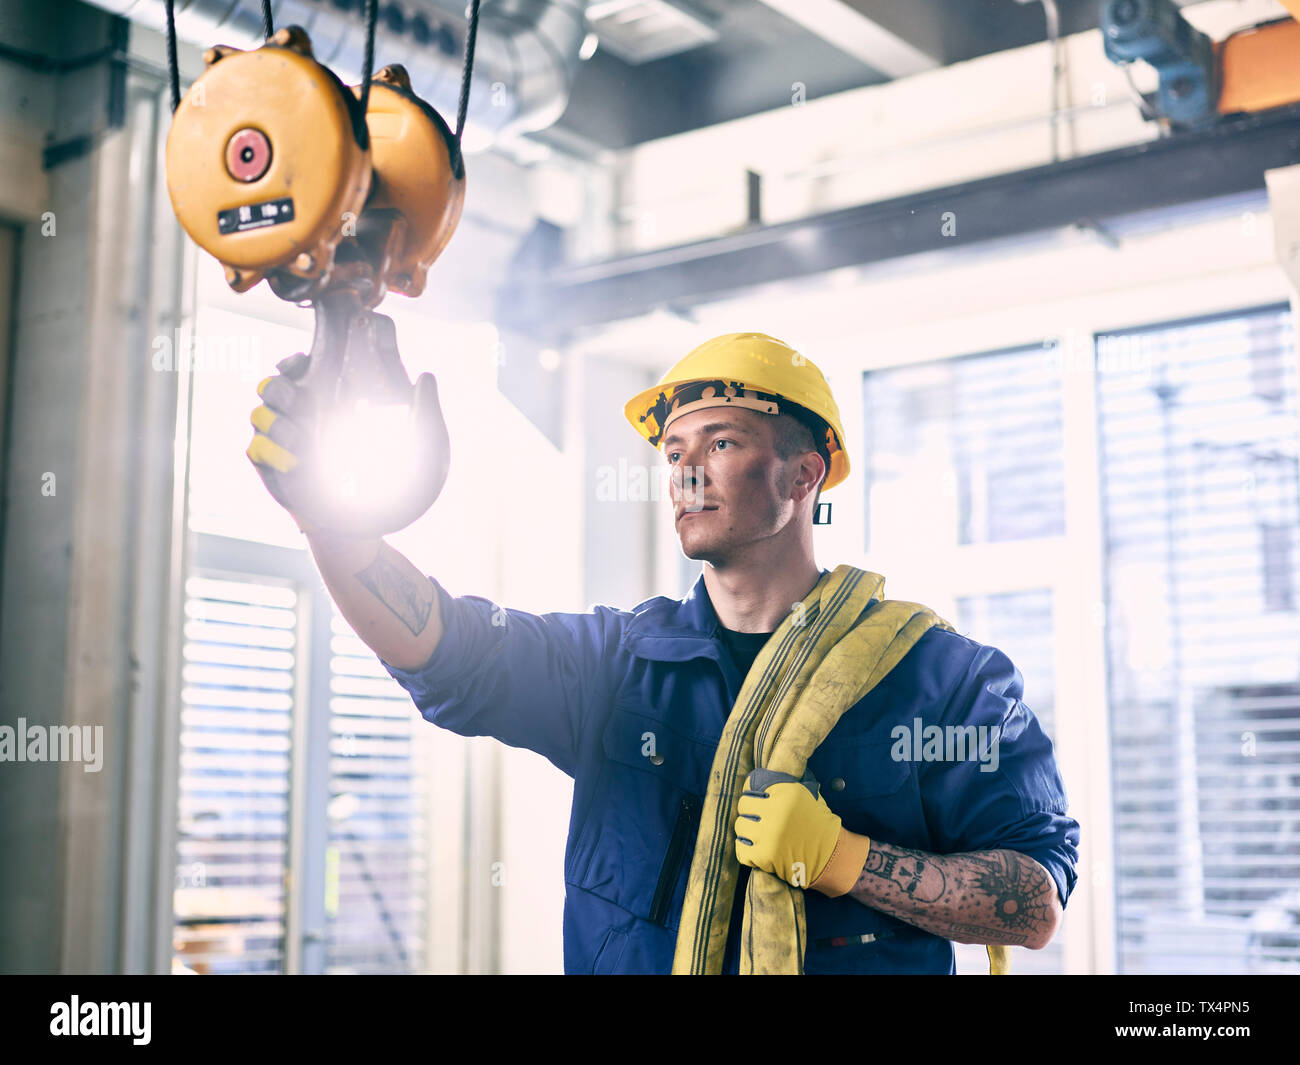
(89, 605)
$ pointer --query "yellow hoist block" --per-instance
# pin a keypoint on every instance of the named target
(267, 164)
(419, 175)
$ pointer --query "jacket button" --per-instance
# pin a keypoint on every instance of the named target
(837, 784)
(656, 759)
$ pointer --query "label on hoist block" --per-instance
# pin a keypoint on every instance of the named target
(255, 216)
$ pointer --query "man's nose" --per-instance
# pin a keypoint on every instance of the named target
(687, 478)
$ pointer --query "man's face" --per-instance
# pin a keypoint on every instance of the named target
(728, 486)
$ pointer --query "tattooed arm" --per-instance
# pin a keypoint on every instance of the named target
(998, 896)
(391, 604)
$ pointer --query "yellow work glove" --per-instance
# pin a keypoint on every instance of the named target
(278, 435)
(783, 829)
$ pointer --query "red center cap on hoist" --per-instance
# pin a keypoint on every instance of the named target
(248, 155)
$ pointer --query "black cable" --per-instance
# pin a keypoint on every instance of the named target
(267, 28)
(372, 15)
(467, 71)
(173, 65)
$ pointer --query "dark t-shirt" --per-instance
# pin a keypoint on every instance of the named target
(743, 648)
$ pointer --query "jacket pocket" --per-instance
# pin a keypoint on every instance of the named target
(648, 744)
(872, 793)
(638, 832)
(679, 851)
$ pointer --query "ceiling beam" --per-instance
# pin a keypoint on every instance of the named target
(1188, 168)
(857, 35)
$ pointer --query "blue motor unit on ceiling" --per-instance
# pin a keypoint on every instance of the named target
(1157, 32)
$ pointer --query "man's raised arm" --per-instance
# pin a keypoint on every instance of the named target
(529, 680)
(392, 605)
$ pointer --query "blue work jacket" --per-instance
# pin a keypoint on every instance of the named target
(632, 704)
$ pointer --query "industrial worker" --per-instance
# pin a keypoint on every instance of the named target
(890, 849)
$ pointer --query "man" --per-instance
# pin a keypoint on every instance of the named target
(900, 855)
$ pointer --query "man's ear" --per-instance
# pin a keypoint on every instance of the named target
(812, 472)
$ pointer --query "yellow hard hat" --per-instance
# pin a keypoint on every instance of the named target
(750, 370)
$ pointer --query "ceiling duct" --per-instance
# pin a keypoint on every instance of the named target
(639, 31)
(524, 59)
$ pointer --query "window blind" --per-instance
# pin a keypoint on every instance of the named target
(1198, 432)
(236, 708)
(377, 863)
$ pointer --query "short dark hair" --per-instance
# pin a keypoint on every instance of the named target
(798, 430)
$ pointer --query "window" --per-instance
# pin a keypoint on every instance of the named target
(1199, 440)
(266, 653)
(376, 864)
(232, 848)
(229, 354)
(970, 447)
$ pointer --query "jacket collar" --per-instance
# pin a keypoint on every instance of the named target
(675, 630)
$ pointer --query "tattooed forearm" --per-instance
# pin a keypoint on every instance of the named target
(998, 896)
(410, 600)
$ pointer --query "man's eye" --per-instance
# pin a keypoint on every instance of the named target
(672, 456)
(721, 442)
